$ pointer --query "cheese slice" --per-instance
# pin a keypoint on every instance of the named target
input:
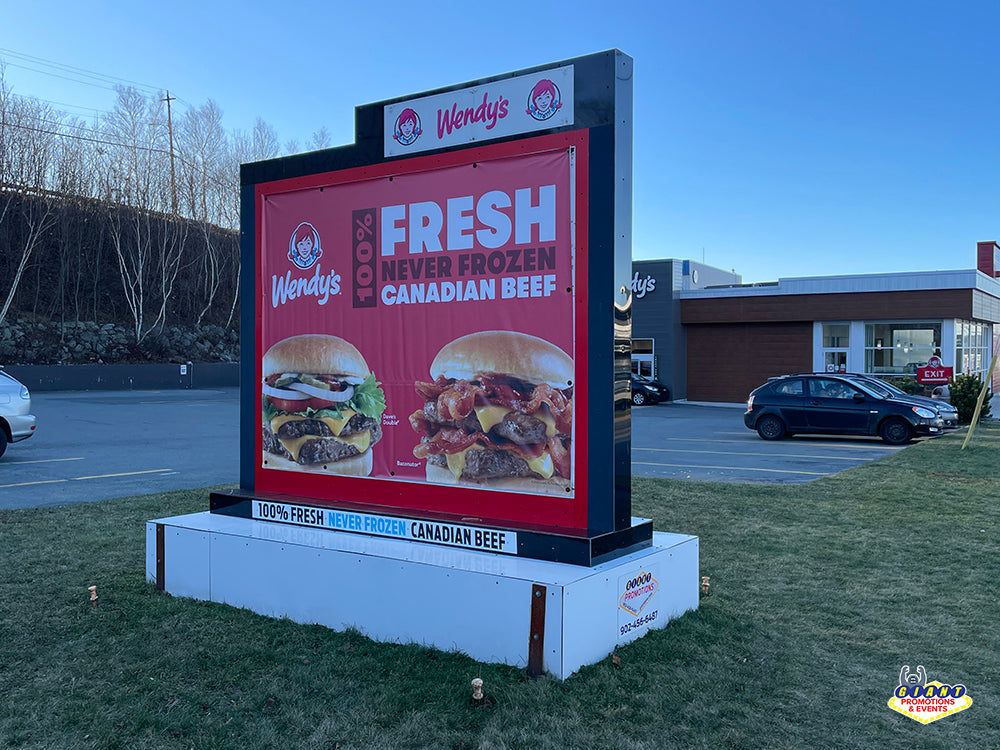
(542, 465)
(336, 425)
(456, 461)
(490, 416)
(361, 441)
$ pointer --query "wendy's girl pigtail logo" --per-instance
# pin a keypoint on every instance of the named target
(303, 247)
(544, 100)
(407, 128)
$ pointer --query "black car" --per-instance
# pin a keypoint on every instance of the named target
(948, 412)
(886, 389)
(835, 405)
(648, 391)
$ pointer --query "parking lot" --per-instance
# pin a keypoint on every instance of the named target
(711, 444)
(93, 445)
(96, 445)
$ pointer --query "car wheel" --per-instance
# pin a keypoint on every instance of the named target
(896, 431)
(3, 441)
(638, 398)
(770, 428)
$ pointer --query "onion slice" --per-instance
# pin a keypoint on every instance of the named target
(312, 391)
(282, 393)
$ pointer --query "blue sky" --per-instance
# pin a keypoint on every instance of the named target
(776, 138)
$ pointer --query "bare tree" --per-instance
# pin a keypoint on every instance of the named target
(320, 139)
(26, 155)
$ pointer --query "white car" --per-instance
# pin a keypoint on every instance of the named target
(16, 420)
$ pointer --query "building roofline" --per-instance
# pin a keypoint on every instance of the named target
(852, 284)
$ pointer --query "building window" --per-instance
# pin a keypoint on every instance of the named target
(972, 347)
(836, 335)
(642, 357)
(900, 348)
(836, 341)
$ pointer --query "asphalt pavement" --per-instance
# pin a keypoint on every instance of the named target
(711, 444)
(95, 445)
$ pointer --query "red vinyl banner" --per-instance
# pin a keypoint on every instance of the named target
(417, 338)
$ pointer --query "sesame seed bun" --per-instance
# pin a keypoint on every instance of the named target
(315, 353)
(518, 355)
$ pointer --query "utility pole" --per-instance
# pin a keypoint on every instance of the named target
(173, 175)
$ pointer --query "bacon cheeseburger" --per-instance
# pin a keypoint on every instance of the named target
(321, 406)
(499, 414)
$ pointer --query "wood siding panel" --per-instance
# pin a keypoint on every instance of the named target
(726, 362)
(942, 303)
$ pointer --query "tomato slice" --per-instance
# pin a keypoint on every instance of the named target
(293, 405)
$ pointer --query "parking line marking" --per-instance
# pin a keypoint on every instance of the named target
(25, 484)
(863, 446)
(125, 474)
(193, 401)
(732, 468)
(750, 453)
(74, 479)
(44, 461)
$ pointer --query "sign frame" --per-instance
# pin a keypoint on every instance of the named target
(601, 131)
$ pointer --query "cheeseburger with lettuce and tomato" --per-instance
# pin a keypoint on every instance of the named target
(321, 406)
(498, 414)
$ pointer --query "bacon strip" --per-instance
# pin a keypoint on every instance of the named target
(560, 456)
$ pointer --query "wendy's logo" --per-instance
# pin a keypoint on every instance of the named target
(407, 128)
(544, 100)
(303, 247)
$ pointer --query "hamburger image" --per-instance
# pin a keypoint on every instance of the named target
(321, 406)
(498, 414)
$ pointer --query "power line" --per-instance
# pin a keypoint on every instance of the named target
(73, 70)
(101, 141)
(89, 140)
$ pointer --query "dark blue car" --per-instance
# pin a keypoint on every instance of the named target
(835, 405)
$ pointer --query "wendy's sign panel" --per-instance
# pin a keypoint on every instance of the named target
(420, 328)
(436, 319)
(523, 104)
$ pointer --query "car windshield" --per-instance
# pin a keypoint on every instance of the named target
(875, 388)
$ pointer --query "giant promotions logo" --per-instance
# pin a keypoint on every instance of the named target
(925, 701)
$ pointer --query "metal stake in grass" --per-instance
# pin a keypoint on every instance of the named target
(477, 690)
(982, 397)
(93, 595)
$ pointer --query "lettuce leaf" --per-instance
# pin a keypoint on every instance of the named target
(368, 400)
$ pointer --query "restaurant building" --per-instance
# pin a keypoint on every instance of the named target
(711, 338)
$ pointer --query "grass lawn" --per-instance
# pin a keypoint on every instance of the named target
(820, 593)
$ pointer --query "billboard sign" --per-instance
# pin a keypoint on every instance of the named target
(436, 320)
(420, 328)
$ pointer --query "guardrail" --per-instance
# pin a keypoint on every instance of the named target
(126, 377)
